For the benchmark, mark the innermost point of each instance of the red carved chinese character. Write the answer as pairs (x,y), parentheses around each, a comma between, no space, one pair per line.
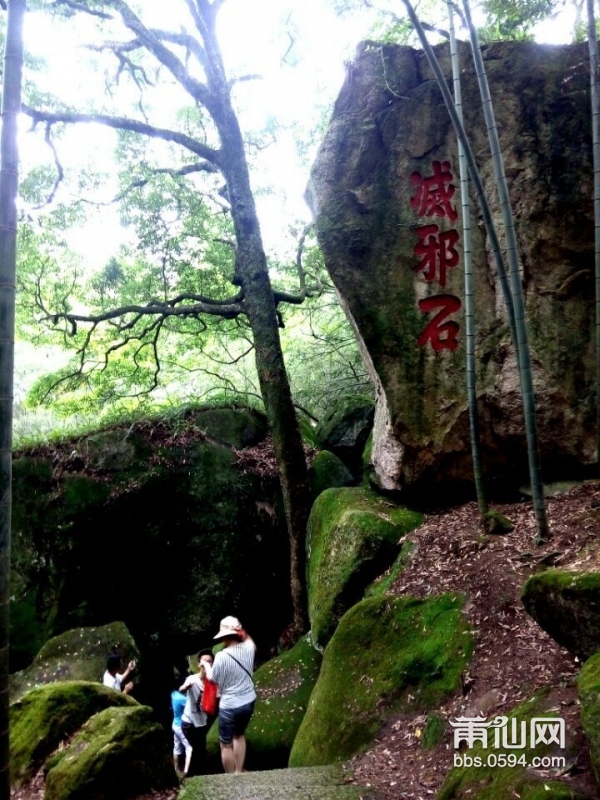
(436,251)
(436,328)
(434,192)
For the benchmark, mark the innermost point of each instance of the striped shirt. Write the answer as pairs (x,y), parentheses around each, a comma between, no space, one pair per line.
(235,684)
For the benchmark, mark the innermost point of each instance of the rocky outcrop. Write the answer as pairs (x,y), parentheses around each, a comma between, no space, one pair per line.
(346,428)
(160,525)
(44,718)
(567,606)
(353,537)
(119,753)
(76,655)
(387,655)
(388,223)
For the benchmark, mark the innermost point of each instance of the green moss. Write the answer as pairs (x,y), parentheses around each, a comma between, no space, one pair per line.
(496,523)
(383,583)
(327,471)
(48,715)
(118,753)
(352,538)
(567,606)
(283,686)
(434,730)
(499,783)
(76,655)
(589,696)
(387,655)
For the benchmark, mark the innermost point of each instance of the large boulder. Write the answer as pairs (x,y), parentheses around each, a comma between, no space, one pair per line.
(346,428)
(119,753)
(283,687)
(353,536)
(567,606)
(46,717)
(386,656)
(76,655)
(327,471)
(381,189)
(184,528)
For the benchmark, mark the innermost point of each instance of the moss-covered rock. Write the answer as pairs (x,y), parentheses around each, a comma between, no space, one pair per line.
(387,655)
(183,500)
(345,430)
(589,697)
(118,753)
(307,783)
(49,715)
(238,427)
(352,538)
(283,687)
(514,779)
(567,606)
(76,655)
(327,471)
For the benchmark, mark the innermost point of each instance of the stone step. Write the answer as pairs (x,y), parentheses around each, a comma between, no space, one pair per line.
(300,783)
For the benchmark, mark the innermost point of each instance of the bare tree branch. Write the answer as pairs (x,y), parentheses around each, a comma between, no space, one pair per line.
(152,41)
(60,174)
(70,4)
(124,123)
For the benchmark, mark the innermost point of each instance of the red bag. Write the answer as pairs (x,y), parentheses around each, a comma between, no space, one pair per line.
(209,702)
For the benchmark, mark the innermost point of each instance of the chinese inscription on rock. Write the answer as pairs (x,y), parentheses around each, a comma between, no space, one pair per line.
(436,252)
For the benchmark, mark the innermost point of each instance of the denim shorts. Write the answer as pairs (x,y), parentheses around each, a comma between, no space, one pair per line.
(234,721)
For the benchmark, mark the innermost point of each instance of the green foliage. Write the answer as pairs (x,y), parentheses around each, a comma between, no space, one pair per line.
(388,655)
(514,19)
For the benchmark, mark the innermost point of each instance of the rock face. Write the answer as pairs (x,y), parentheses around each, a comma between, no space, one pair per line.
(567,606)
(165,528)
(77,655)
(353,536)
(389,225)
(383,650)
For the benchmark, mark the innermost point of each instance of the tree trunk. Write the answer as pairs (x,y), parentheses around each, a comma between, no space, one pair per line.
(253,275)
(9,184)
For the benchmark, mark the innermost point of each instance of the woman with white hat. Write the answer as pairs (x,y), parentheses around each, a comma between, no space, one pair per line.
(232,671)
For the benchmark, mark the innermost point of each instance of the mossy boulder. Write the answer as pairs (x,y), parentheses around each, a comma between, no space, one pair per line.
(118,753)
(47,716)
(386,656)
(589,697)
(76,655)
(283,686)
(327,471)
(352,538)
(567,606)
(346,428)
(514,779)
(187,503)
(238,427)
